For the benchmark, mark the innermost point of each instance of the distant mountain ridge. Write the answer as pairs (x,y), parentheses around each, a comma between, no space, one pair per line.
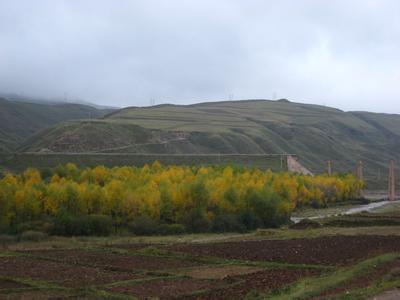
(315,133)
(29,99)
(21,119)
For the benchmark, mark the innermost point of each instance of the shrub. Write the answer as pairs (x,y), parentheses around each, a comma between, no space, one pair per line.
(68,225)
(196,222)
(27,226)
(253,295)
(250,221)
(227,223)
(33,236)
(100,225)
(46,173)
(6,239)
(144,225)
(265,205)
(171,229)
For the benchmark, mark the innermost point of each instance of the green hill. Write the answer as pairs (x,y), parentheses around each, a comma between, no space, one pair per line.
(315,133)
(19,120)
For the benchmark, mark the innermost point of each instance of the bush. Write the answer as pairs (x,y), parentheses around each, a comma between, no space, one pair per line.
(33,236)
(196,222)
(99,225)
(227,223)
(46,173)
(39,225)
(253,295)
(250,221)
(171,229)
(6,239)
(265,205)
(144,225)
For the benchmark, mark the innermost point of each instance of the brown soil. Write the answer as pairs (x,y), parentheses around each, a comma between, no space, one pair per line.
(62,274)
(231,287)
(167,289)
(333,250)
(134,246)
(114,261)
(265,281)
(42,295)
(364,280)
(219,272)
(9,284)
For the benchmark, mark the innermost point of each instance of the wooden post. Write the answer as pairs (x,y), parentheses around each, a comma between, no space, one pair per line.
(360,172)
(392,182)
(329,167)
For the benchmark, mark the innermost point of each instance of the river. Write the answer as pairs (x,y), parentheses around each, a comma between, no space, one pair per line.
(347,211)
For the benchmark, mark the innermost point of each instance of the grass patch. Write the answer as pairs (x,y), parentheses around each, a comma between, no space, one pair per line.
(141,280)
(10,254)
(38,284)
(378,287)
(101,294)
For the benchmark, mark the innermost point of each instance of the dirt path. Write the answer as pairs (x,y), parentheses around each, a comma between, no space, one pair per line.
(388,295)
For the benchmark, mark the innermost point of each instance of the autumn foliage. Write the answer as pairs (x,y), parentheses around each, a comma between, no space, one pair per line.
(161,199)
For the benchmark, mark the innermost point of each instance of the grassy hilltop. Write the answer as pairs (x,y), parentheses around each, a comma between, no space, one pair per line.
(315,133)
(20,119)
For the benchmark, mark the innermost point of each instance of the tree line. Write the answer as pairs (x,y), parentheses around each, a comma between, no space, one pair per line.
(157,199)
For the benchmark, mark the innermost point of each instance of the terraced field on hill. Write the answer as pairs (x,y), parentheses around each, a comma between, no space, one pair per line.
(315,133)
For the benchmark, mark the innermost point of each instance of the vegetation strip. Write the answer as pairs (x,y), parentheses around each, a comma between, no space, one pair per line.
(101,294)
(315,286)
(37,284)
(376,288)
(10,253)
(159,200)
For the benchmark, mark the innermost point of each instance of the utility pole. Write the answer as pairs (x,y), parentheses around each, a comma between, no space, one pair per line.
(329,167)
(360,173)
(392,182)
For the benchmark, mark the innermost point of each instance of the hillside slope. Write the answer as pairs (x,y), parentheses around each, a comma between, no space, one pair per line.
(19,120)
(315,133)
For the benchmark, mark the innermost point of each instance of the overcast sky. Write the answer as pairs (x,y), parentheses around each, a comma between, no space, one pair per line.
(344,54)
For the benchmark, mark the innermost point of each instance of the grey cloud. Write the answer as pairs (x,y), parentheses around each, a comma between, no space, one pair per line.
(339,53)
